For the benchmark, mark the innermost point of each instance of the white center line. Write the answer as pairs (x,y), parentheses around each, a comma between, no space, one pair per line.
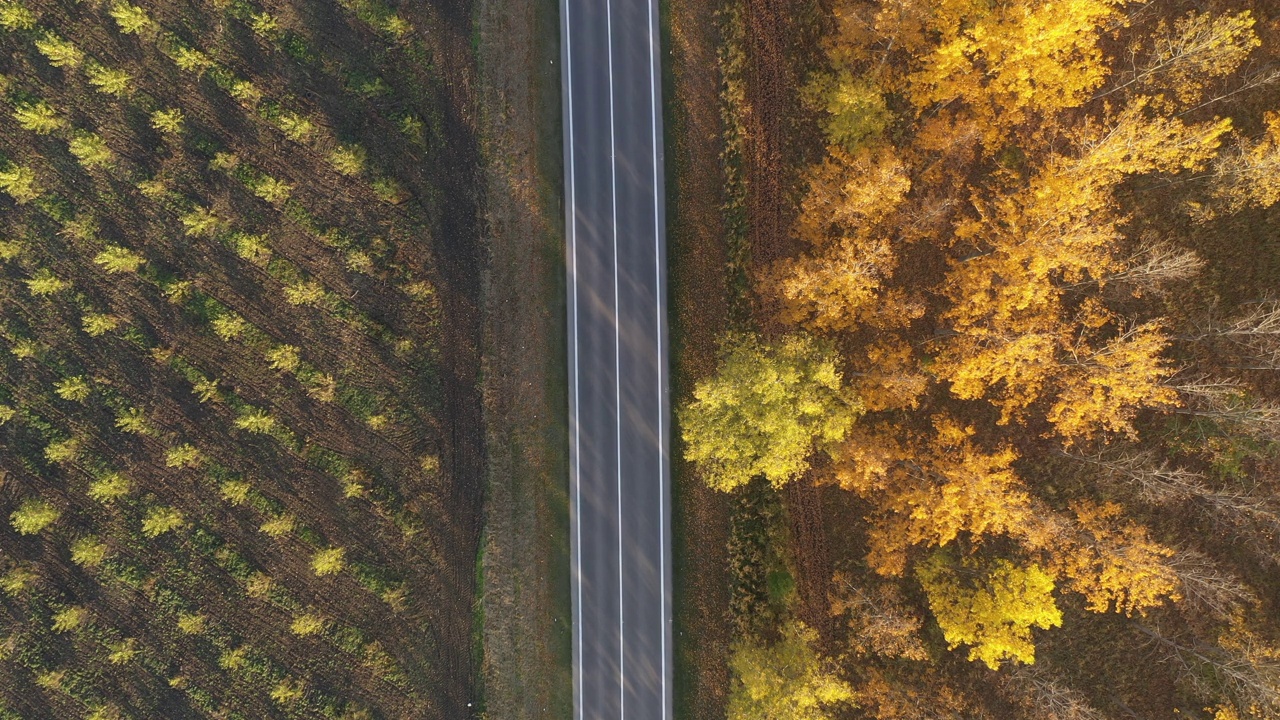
(617,369)
(573,250)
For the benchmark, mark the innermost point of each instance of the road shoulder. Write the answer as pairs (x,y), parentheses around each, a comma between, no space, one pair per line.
(523,612)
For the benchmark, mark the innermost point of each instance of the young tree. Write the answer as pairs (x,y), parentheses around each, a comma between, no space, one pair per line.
(33,515)
(765,411)
(994,613)
(786,679)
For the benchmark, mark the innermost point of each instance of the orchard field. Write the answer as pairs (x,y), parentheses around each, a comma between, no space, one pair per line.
(240,441)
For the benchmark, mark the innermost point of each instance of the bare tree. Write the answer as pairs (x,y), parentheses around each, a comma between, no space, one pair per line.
(1046,698)
(1156,264)
(1154,479)
(1207,590)
(1231,403)
(1239,668)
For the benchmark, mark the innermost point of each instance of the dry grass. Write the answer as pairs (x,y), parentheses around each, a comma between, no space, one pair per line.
(699,296)
(525,641)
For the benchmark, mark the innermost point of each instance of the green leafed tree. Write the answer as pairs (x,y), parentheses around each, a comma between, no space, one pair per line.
(20,183)
(59,52)
(991,606)
(787,679)
(90,150)
(160,520)
(116,259)
(33,515)
(131,18)
(766,410)
(38,117)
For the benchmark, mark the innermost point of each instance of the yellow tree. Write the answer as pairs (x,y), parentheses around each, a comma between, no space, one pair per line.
(928,488)
(785,679)
(765,411)
(1113,563)
(991,606)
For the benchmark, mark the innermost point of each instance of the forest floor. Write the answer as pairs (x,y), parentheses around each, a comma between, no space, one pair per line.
(525,614)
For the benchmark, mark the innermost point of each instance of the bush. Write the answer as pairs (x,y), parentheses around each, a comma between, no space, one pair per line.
(33,515)
(328,562)
(160,520)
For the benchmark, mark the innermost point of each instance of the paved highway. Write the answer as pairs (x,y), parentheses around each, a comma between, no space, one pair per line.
(618,401)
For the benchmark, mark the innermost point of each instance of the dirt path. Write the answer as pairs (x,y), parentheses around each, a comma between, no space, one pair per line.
(525,634)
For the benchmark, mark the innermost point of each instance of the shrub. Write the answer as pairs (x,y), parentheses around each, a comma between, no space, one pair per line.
(160,520)
(38,117)
(33,515)
(329,561)
(75,389)
(109,488)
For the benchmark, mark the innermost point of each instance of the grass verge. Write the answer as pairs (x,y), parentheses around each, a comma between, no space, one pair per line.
(523,610)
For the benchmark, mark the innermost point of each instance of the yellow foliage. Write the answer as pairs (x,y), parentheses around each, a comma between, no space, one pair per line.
(993,613)
(786,679)
(765,411)
(1113,563)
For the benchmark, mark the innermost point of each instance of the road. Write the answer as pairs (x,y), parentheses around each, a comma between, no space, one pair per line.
(618,399)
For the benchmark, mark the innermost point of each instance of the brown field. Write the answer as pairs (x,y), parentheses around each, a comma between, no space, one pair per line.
(235,347)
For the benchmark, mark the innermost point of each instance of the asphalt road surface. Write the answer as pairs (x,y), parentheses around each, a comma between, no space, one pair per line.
(618,404)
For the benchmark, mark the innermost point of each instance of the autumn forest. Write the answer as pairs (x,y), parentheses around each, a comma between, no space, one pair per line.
(998,400)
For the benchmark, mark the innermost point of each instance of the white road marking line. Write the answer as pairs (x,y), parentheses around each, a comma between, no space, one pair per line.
(657,291)
(617,367)
(577,433)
